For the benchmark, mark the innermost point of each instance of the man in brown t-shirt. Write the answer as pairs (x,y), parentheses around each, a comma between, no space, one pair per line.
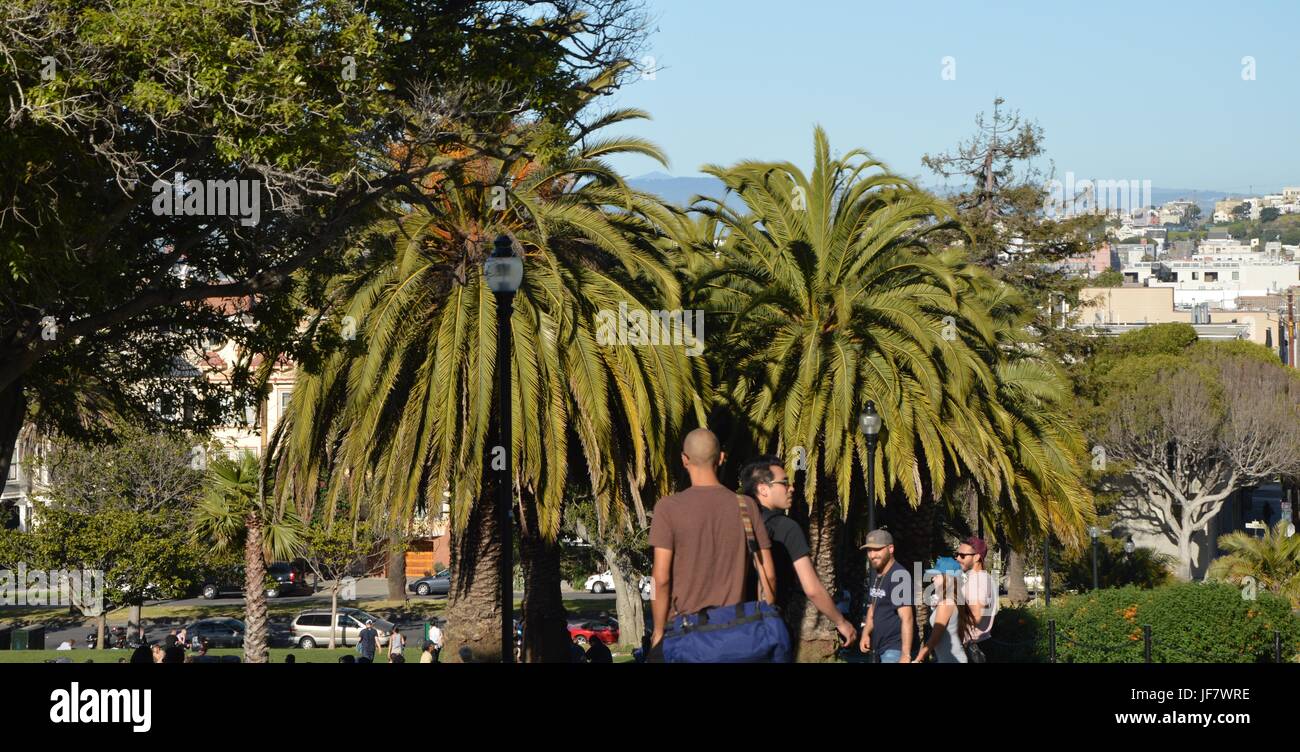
(700,556)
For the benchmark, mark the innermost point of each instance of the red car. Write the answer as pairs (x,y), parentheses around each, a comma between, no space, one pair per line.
(583,632)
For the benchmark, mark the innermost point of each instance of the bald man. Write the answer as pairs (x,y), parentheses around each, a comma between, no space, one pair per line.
(700,556)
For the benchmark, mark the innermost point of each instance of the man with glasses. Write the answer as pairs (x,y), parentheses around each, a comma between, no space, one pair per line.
(765,480)
(891,620)
(980,595)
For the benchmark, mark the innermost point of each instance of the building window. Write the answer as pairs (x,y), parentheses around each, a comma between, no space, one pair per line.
(1211,276)
(284,401)
(13,467)
(1195,275)
(1236,276)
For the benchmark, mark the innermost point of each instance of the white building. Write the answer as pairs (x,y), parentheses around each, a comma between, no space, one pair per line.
(1218,282)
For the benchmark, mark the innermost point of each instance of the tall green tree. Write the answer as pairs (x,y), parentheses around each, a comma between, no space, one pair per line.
(407,414)
(833,294)
(102,290)
(236,514)
(1002,199)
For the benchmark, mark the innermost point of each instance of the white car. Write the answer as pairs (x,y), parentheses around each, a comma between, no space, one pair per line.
(600,583)
(604,583)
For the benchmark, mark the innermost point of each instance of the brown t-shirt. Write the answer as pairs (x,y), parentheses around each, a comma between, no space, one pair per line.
(702,527)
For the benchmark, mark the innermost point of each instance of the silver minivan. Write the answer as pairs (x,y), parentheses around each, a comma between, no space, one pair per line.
(310,629)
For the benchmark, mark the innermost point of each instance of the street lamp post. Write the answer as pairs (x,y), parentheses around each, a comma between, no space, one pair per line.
(504,271)
(1047,570)
(1095,533)
(869,423)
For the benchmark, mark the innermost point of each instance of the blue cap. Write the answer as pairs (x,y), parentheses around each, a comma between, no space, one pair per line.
(944,565)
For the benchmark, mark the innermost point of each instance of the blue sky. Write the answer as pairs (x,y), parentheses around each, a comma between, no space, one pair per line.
(1123,90)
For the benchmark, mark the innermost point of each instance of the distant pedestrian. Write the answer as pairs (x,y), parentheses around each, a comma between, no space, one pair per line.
(435,637)
(67,645)
(705,539)
(157,652)
(598,651)
(945,614)
(426,655)
(142,654)
(576,653)
(396,643)
(290,658)
(347,659)
(366,641)
(890,624)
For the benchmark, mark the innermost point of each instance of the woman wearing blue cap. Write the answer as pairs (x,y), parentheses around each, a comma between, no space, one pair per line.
(944,642)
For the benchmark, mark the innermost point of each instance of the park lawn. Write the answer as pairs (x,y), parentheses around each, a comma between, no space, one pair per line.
(319,655)
(415,608)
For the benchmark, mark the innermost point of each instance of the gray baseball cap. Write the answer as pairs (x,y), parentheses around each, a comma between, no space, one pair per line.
(878,539)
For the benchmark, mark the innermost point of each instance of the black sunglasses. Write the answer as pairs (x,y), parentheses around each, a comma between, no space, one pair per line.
(784,482)
(961,555)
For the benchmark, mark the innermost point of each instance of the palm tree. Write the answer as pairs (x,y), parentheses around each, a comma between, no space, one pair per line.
(405,417)
(1273,561)
(832,295)
(236,514)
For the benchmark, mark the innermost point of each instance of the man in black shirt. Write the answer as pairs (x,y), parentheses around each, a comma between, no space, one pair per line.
(889,627)
(765,480)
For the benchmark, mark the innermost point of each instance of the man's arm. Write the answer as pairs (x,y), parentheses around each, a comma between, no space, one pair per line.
(908,618)
(974,592)
(812,587)
(661,574)
(865,644)
(769,569)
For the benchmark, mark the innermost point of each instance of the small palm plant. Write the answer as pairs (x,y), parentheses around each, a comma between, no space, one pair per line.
(1271,562)
(235,514)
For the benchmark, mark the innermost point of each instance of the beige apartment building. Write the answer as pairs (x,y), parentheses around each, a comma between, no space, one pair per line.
(1115,310)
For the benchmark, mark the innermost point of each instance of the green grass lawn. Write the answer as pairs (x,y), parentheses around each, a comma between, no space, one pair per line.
(58,618)
(319,655)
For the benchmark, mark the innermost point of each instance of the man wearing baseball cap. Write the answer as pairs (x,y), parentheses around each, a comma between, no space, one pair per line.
(890,623)
(980,594)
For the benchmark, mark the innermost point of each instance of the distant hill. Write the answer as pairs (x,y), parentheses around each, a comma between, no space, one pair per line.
(680,190)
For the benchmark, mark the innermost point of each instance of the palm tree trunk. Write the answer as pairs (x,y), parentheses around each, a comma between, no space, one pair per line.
(254,593)
(546,632)
(913,529)
(396,568)
(473,605)
(627,600)
(1017,590)
(815,638)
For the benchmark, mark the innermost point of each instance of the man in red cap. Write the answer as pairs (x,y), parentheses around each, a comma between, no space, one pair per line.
(980,594)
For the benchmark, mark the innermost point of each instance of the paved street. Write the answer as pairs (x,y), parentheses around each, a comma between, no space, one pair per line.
(233,606)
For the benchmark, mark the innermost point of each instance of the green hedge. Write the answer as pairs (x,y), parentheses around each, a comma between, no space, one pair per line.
(1190,623)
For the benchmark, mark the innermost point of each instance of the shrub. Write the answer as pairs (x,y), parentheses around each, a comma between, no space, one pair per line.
(1190,622)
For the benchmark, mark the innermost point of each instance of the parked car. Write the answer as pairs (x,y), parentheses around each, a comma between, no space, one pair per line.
(604,583)
(311,628)
(600,583)
(437,584)
(604,630)
(217,633)
(290,579)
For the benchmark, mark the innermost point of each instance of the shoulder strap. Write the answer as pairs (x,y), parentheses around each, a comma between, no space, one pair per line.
(751,543)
